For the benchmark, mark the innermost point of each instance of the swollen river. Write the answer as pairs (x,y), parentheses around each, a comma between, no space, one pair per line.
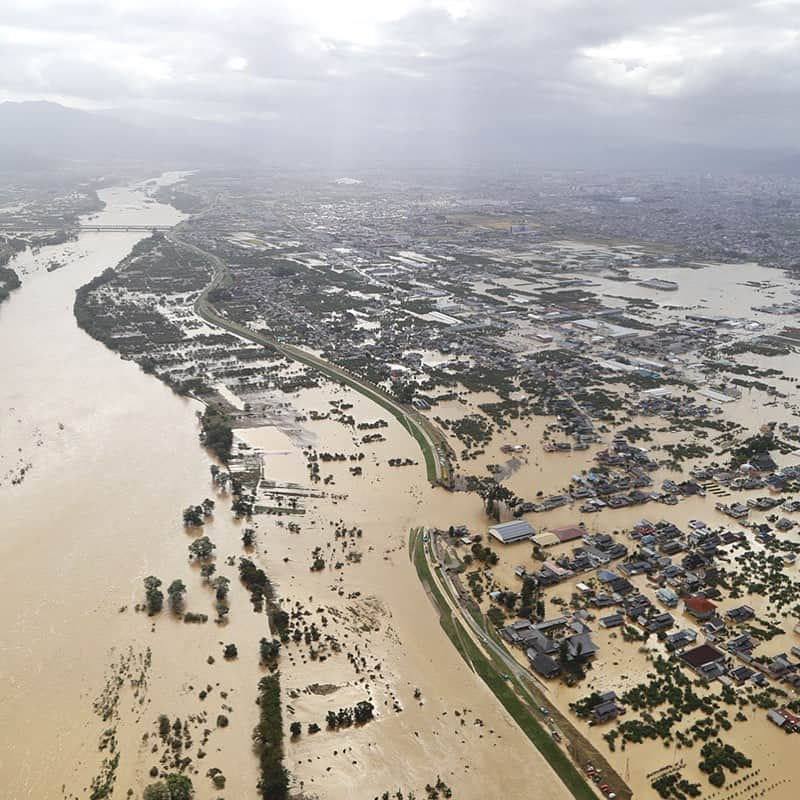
(97,461)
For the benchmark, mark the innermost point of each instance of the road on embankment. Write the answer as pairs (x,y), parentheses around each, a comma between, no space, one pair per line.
(515,687)
(430,440)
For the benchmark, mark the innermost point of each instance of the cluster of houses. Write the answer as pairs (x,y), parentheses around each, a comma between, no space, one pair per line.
(573,421)
(680,568)
(660,403)
(595,550)
(550,643)
(623,481)
(737,511)
(741,512)
(760,472)
(731,660)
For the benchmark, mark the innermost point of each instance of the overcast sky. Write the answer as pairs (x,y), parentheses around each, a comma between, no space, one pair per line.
(462,72)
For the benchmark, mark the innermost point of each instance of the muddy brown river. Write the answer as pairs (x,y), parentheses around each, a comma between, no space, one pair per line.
(96,462)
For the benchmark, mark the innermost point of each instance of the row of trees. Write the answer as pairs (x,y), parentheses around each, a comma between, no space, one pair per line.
(217,434)
(269,650)
(176,594)
(484,554)
(256,581)
(718,756)
(494,496)
(194,516)
(268,740)
(154,597)
(529,598)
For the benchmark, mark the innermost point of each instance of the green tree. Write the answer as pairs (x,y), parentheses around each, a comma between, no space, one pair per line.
(496,616)
(363,712)
(269,650)
(180,787)
(202,549)
(175,593)
(528,596)
(230,651)
(157,791)
(153,595)
(268,740)
(193,516)
(221,586)
(173,787)
(217,434)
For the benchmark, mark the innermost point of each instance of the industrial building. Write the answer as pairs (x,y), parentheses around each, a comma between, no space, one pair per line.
(509,532)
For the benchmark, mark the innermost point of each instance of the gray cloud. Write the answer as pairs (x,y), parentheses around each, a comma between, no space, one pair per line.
(450,75)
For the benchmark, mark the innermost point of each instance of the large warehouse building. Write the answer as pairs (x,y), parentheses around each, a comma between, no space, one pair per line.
(514,531)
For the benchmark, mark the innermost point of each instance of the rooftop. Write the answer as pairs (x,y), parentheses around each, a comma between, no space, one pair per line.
(702,655)
(700,605)
(513,531)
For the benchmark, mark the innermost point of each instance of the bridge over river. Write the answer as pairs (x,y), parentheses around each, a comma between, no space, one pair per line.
(37,228)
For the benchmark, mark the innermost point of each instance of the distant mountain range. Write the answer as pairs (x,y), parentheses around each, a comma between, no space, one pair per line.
(36,136)
(39,135)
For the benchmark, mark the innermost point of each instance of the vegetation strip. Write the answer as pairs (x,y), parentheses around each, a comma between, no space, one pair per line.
(268,740)
(445,614)
(9,280)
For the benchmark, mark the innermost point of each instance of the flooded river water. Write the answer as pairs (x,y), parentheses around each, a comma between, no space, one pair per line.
(96,462)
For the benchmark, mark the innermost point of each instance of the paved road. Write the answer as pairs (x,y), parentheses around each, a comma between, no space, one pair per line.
(451,592)
(525,678)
